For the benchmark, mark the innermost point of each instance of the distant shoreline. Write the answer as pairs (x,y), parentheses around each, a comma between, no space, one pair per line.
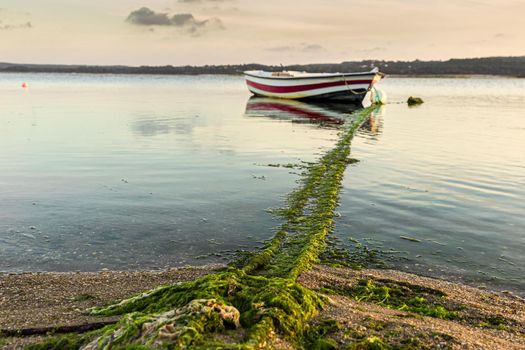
(489,66)
(402,76)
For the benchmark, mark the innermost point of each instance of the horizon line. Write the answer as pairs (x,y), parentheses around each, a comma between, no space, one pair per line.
(254,63)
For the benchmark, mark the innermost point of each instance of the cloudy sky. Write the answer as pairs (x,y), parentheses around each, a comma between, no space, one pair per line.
(178,32)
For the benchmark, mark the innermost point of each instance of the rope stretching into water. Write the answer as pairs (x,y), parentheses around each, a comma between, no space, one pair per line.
(354,91)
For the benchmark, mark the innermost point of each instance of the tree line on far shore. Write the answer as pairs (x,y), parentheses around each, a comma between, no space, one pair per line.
(505,66)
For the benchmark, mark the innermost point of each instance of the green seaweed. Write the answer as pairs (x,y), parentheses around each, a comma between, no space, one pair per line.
(262,297)
(421,300)
(72,341)
(288,166)
(392,336)
(405,343)
(357,256)
(264,304)
(399,296)
(370,343)
(498,322)
(309,213)
(414,101)
(316,336)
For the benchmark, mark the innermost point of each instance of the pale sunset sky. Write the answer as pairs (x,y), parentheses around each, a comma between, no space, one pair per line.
(197,32)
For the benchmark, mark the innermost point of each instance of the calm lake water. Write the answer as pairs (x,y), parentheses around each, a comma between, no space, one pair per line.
(143,172)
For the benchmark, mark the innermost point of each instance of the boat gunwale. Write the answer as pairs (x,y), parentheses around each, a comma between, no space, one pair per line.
(331,75)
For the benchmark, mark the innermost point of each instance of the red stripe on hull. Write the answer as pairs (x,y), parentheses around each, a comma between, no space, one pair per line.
(300,88)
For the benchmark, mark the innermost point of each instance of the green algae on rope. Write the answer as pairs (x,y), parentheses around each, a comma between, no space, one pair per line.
(310,211)
(263,297)
(264,306)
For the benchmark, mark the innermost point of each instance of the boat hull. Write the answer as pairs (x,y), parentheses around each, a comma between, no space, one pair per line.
(348,88)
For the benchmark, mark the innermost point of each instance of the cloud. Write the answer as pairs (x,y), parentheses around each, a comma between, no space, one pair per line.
(26,25)
(146,17)
(186,21)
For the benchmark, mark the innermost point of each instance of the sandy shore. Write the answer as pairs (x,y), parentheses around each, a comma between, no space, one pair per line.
(476,304)
(33,300)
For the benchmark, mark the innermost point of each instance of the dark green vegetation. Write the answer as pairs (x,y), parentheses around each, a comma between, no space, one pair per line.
(414,101)
(261,300)
(289,166)
(373,335)
(66,342)
(508,66)
(190,314)
(388,336)
(357,256)
(309,216)
(399,296)
(421,300)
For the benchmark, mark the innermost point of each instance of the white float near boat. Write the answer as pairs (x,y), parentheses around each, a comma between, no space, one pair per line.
(342,87)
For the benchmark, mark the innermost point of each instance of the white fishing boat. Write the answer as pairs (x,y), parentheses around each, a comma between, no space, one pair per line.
(342,87)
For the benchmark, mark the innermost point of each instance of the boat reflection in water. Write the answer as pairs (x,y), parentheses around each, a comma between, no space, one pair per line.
(326,114)
(299,112)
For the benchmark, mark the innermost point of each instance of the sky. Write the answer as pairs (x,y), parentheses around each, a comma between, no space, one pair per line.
(198,32)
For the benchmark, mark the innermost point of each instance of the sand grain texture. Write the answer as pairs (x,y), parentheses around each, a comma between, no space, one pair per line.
(33,300)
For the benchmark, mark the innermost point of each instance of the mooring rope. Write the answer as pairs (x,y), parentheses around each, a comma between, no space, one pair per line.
(354,91)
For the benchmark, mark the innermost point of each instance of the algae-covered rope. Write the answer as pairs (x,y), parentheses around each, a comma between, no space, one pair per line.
(263,298)
(299,240)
